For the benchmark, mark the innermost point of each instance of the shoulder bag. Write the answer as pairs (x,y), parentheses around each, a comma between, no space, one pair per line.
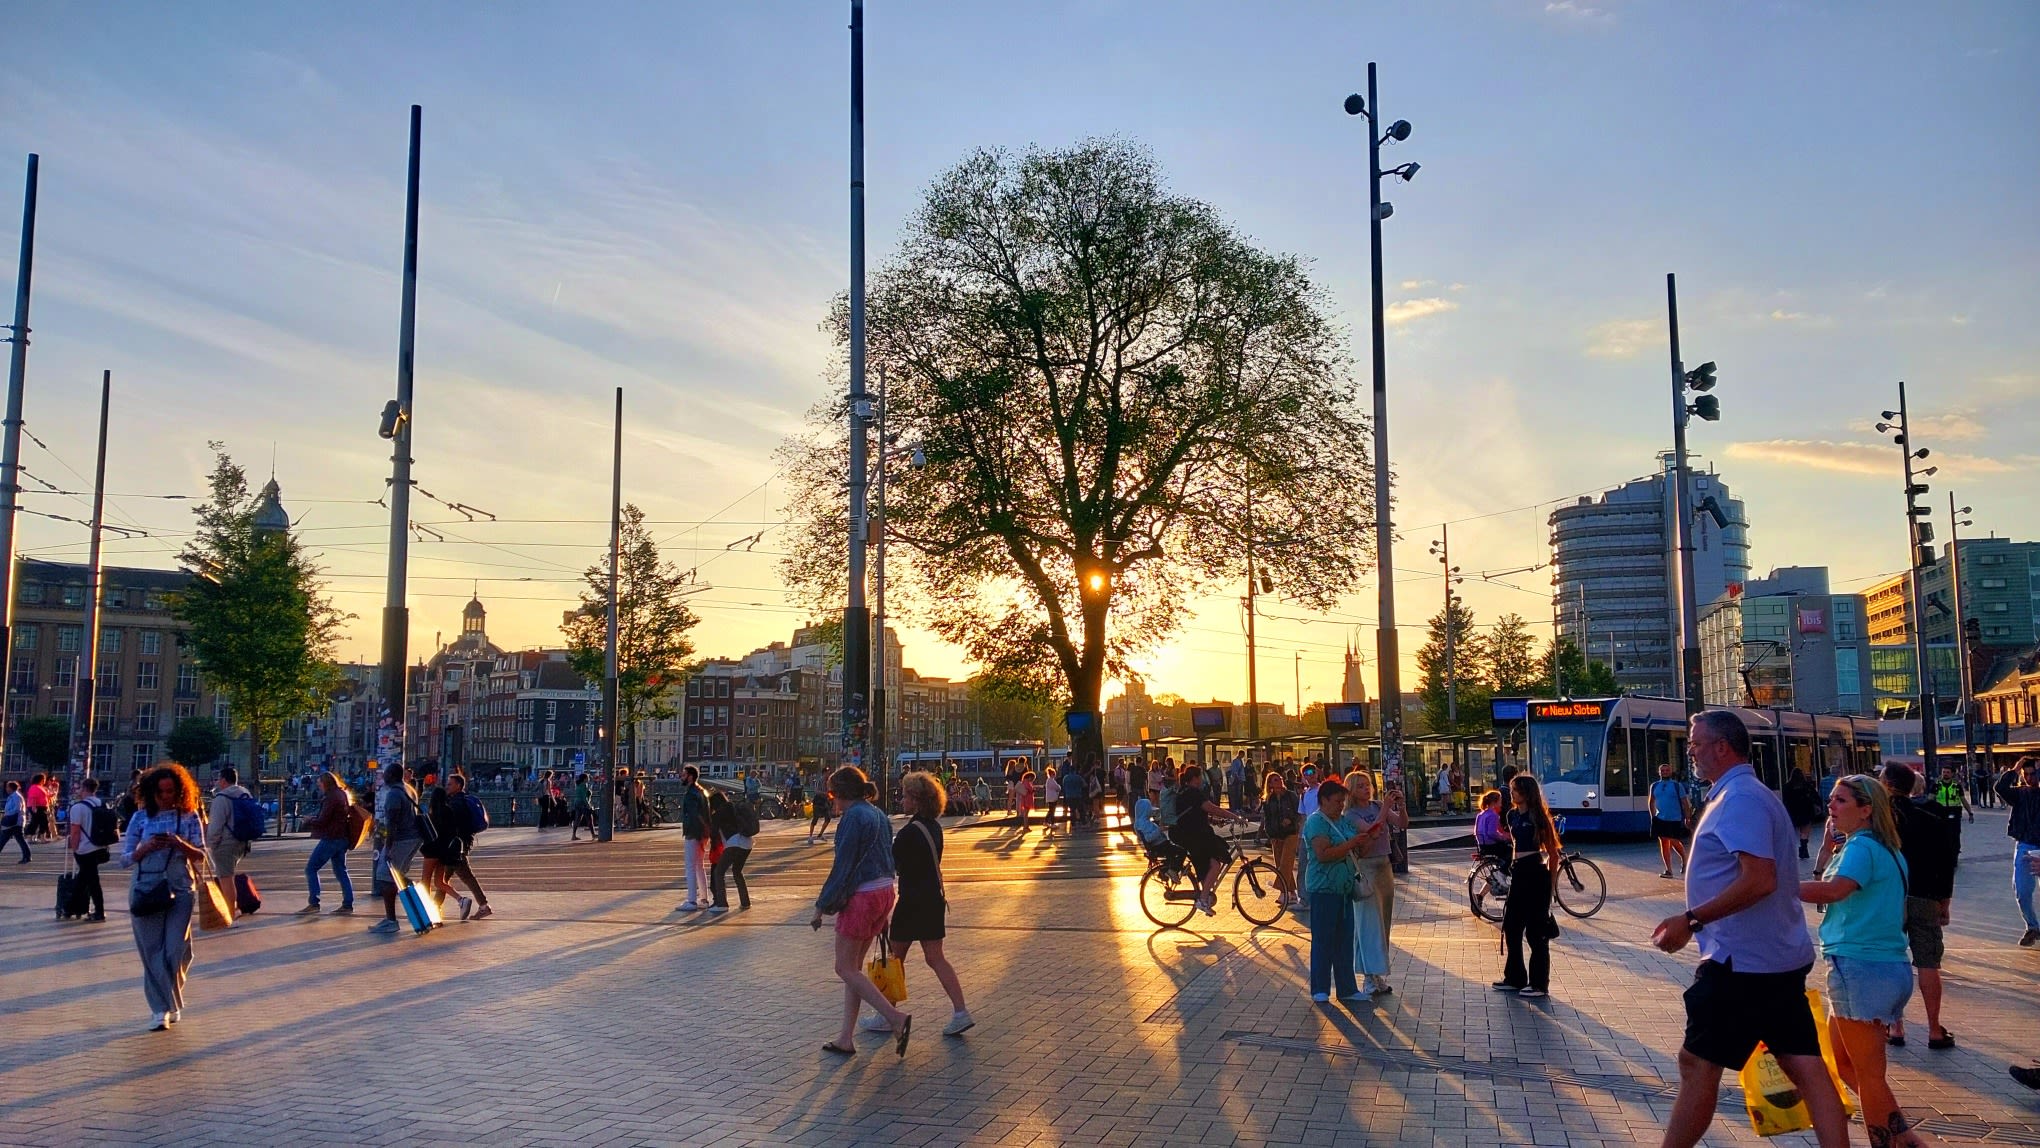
(937,855)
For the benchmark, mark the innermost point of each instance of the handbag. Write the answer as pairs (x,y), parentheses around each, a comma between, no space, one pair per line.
(1363,880)
(212,905)
(888,972)
(151,900)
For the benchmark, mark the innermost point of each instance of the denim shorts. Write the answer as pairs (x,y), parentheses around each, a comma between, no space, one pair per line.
(1868,990)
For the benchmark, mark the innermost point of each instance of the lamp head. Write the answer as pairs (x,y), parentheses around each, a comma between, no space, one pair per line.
(1888,415)
(1387,209)
(1921,453)
(1356,105)
(1882,427)
(918,459)
(1408,171)
(1399,130)
(1930,472)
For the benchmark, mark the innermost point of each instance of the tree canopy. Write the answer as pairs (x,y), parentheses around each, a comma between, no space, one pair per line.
(196,742)
(652,620)
(1116,395)
(262,629)
(46,740)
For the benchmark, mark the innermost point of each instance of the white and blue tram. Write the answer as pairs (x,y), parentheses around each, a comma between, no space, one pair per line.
(1596,757)
(990,764)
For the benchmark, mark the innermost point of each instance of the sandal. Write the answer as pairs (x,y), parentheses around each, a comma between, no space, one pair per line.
(838,1049)
(1942,1042)
(900,1042)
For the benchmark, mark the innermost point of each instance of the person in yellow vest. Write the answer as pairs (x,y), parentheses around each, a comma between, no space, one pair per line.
(1951,803)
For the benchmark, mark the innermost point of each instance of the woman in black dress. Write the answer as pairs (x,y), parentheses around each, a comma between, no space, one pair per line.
(919,913)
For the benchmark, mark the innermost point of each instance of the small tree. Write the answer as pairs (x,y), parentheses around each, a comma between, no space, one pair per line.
(46,740)
(262,630)
(1513,666)
(1467,685)
(652,620)
(1582,679)
(196,742)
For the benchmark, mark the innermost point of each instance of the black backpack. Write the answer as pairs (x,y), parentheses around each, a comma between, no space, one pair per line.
(747,820)
(104,829)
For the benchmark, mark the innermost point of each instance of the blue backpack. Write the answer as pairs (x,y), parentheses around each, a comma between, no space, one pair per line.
(249,819)
(477,814)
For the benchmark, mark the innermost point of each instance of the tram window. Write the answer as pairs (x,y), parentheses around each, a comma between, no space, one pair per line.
(1661,752)
(1799,754)
(1764,759)
(1618,782)
(1836,754)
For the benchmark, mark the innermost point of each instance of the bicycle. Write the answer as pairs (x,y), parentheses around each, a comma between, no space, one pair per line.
(1581,889)
(1169,894)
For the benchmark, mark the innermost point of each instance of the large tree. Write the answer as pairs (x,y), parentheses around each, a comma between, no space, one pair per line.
(46,740)
(196,742)
(652,620)
(261,627)
(1513,666)
(1116,394)
(1468,681)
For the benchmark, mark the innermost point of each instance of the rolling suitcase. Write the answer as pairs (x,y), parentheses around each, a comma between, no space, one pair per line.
(246,899)
(419,908)
(67,890)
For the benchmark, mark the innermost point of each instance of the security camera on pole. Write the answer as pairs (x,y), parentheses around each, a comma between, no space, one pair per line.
(1388,672)
(1699,380)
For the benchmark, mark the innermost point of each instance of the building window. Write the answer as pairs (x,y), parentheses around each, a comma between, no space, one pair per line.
(722,688)
(60,707)
(152,642)
(22,678)
(146,676)
(24,637)
(70,639)
(116,597)
(185,710)
(104,712)
(220,713)
(552,733)
(187,678)
(102,759)
(144,756)
(66,675)
(152,599)
(109,679)
(145,717)
(552,712)
(31,592)
(1845,630)
(73,595)
(109,641)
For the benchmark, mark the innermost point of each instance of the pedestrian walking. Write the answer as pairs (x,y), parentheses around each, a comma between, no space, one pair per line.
(1236,782)
(1929,894)
(1742,905)
(1526,916)
(824,813)
(738,825)
(2019,789)
(36,803)
(921,914)
(697,831)
(1023,796)
(1802,805)
(456,818)
(13,821)
(332,828)
(93,829)
(1013,774)
(397,836)
(1670,812)
(859,894)
(1374,880)
(1284,827)
(164,838)
(1328,880)
(584,808)
(1051,798)
(1951,802)
(1862,939)
(223,843)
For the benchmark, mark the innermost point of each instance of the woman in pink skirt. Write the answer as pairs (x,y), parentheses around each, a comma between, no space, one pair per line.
(859,893)
(1026,797)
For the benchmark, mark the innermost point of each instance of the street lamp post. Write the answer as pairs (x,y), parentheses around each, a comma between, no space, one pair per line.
(1957,520)
(1898,424)
(396,427)
(1388,671)
(10,439)
(1700,379)
(856,615)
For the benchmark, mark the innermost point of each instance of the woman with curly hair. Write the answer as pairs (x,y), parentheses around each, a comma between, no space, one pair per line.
(162,840)
(859,894)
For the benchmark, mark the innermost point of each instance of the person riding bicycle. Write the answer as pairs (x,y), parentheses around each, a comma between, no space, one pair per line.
(1208,851)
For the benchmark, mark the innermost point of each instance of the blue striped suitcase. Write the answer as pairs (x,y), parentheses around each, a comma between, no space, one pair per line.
(419,909)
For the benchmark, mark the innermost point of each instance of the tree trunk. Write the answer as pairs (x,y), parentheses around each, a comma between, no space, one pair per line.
(1087,747)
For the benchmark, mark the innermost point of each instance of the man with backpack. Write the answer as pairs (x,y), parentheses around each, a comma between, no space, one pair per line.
(234,821)
(93,829)
(738,824)
(694,826)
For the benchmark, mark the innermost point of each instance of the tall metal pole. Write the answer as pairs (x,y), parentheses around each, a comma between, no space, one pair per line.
(1930,731)
(88,658)
(856,616)
(396,615)
(1961,642)
(10,450)
(881,748)
(1451,639)
(1388,668)
(1253,679)
(1682,515)
(612,717)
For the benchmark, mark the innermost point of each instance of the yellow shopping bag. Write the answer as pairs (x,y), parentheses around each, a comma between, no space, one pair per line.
(889,973)
(1770,1096)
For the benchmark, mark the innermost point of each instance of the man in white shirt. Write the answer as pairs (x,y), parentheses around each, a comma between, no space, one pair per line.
(86,894)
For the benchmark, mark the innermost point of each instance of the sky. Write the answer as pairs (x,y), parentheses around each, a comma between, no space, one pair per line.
(653,196)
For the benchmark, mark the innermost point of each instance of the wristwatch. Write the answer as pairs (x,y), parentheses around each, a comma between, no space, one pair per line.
(1693,923)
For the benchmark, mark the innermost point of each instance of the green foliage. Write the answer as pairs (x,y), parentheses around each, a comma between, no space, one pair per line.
(46,740)
(196,742)
(1015,710)
(1514,668)
(1471,673)
(1105,379)
(262,631)
(652,620)
(1579,677)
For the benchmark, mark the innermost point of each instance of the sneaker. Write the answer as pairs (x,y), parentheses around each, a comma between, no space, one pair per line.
(718,908)
(383,926)
(1532,993)
(1667,874)
(1321,998)
(311,910)
(689,907)
(874,1023)
(176,1014)
(2030,1077)
(484,913)
(1209,905)
(1382,988)
(1505,987)
(467,907)
(2032,935)
(344,911)
(960,1022)
(1362,995)
(160,1021)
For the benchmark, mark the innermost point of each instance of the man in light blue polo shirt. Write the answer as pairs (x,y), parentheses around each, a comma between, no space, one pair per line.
(1742,898)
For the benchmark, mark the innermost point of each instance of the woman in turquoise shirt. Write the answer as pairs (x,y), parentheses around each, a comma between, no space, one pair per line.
(1329,844)
(1862,936)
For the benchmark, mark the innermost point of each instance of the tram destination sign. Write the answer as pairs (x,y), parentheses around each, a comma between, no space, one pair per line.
(1548,711)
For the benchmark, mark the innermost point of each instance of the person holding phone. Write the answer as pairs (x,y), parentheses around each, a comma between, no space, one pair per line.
(162,841)
(1373,916)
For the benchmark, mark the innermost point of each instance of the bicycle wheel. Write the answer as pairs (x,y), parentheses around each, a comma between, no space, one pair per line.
(1482,895)
(1254,893)
(1164,910)
(1581,888)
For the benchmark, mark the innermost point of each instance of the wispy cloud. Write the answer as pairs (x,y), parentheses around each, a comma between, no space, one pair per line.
(1411,310)
(1622,338)
(1859,458)
(1418,284)
(1572,9)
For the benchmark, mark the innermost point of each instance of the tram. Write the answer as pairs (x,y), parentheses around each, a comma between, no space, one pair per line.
(990,764)
(1596,757)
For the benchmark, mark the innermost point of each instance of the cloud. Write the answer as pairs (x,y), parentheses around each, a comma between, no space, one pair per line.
(1961,426)
(1574,10)
(1622,338)
(1418,284)
(1859,458)
(1410,310)
(1782,316)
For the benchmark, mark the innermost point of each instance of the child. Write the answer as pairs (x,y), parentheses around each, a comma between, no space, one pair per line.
(1487,830)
